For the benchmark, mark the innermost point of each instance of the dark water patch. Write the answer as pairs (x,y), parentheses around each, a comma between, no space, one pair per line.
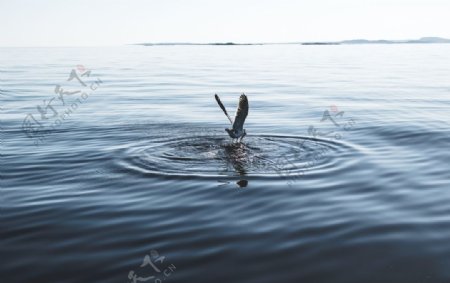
(182,152)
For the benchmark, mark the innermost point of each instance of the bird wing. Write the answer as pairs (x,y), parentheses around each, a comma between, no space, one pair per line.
(241,113)
(222,107)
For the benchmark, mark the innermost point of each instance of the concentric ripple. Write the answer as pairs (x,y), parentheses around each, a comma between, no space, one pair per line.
(212,154)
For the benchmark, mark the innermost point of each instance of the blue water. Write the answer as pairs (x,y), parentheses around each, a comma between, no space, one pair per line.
(343,176)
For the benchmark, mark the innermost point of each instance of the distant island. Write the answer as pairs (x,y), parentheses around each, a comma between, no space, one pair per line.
(407,41)
(423,40)
(191,43)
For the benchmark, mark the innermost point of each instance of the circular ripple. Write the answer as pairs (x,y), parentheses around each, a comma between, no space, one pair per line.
(214,155)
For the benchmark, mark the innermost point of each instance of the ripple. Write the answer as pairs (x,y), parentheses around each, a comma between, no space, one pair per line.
(214,155)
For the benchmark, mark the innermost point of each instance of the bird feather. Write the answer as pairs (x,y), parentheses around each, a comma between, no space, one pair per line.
(241,113)
(223,107)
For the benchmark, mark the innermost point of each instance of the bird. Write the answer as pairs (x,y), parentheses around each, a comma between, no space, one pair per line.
(237,131)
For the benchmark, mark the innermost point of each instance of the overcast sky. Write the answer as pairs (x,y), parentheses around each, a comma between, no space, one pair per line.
(109,22)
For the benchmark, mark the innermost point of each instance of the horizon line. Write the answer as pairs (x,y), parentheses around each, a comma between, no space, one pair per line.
(421,40)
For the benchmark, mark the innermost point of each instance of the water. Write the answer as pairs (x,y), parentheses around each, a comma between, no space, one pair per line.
(142,165)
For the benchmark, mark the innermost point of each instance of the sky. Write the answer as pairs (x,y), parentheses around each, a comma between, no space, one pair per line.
(110,22)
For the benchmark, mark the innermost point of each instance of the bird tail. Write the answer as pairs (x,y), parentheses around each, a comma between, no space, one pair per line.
(223,107)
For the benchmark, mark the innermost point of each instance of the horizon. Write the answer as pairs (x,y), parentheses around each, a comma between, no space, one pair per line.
(343,42)
(49,23)
(293,42)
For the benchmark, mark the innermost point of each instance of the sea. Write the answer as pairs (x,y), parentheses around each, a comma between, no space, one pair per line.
(116,166)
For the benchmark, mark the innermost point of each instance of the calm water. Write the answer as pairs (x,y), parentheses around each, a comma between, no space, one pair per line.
(343,177)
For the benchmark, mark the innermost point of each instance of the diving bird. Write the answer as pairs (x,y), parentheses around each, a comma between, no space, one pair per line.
(237,131)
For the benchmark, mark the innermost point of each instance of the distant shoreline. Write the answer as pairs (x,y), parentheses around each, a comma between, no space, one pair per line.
(423,40)
(191,43)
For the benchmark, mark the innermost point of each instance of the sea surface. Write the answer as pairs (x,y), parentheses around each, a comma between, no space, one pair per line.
(115,165)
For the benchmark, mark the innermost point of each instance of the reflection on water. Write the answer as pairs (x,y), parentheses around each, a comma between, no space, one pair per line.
(235,154)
